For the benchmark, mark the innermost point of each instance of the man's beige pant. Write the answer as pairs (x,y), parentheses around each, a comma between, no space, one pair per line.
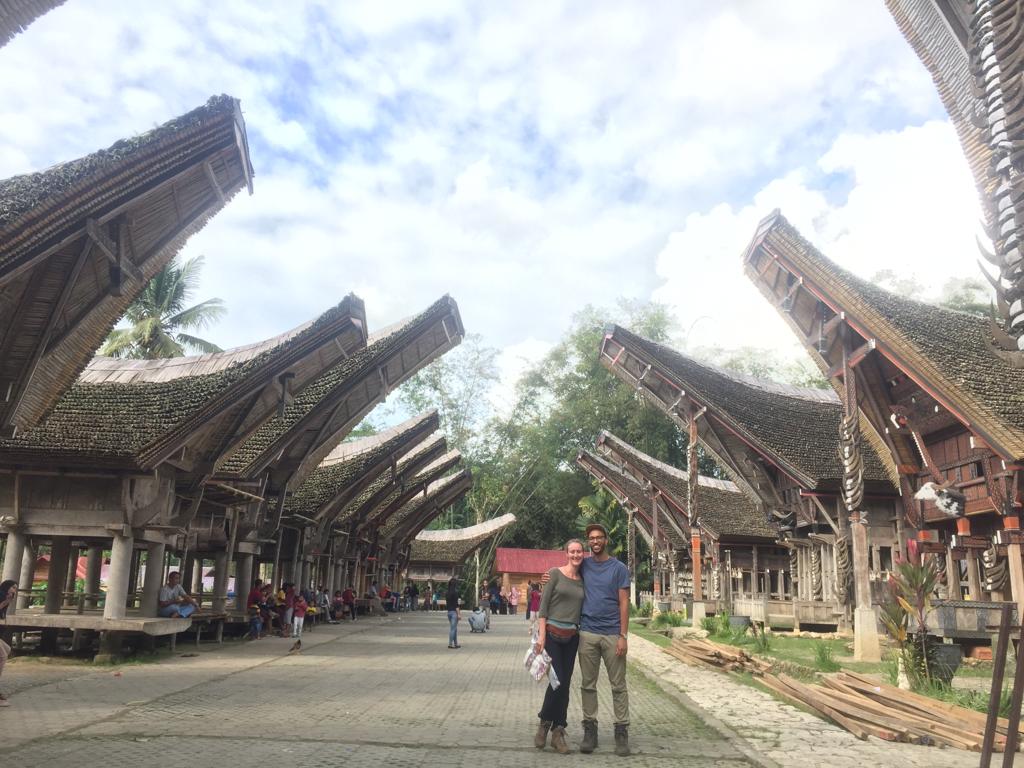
(594,648)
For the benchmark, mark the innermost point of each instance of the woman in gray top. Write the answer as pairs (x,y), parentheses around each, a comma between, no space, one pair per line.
(558,634)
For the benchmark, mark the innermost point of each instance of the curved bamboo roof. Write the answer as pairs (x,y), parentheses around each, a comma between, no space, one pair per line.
(79,242)
(722,509)
(795,428)
(115,418)
(16,15)
(945,351)
(355,466)
(451,546)
(296,441)
(673,529)
(401,527)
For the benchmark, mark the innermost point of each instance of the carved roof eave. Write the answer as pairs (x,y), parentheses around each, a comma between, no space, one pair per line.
(56,243)
(669,392)
(779,241)
(393,503)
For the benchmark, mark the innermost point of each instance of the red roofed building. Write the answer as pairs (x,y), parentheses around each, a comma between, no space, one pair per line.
(523,566)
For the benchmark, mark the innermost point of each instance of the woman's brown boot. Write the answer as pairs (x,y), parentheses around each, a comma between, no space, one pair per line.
(540,739)
(558,740)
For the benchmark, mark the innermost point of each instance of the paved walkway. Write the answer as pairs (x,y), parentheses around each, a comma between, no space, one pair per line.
(388,692)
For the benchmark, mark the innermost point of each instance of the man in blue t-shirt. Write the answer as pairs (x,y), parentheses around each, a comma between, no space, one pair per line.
(603,624)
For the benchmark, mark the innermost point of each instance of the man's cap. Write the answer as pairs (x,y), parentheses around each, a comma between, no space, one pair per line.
(596,527)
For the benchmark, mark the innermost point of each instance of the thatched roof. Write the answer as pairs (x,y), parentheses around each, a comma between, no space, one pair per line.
(451,546)
(79,242)
(795,428)
(722,509)
(672,528)
(947,351)
(386,497)
(16,15)
(135,416)
(354,466)
(294,443)
(402,526)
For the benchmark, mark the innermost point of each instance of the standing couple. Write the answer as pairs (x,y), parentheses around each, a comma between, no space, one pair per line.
(585,610)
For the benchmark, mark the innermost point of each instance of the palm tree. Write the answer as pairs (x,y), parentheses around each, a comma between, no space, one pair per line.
(158,318)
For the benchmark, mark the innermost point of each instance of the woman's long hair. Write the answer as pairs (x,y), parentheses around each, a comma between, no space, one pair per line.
(5,587)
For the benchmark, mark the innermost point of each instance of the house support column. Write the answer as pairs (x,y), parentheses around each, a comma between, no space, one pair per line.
(117,581)
(197,577)
(155,553)
(243,580)
(60,550)
(865,626)
(974,591)
(93,569)
(28,572)
(13,556)
(952,576)
(1013,556)
(220,581)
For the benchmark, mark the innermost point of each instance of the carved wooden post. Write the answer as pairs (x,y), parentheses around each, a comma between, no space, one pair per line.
(655,560)
(865,630)
(631,552)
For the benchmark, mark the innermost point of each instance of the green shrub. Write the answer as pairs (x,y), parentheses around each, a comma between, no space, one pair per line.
(668,619)
(762,638)
(645,610)
(709,624)
(722,626)
(823,657)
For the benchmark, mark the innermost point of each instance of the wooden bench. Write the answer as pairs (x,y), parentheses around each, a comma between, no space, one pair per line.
(204,620)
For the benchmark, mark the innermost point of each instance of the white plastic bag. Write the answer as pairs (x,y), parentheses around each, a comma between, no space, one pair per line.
(539,664)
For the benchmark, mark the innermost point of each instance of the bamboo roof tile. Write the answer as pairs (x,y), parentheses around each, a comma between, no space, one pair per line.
(418,513)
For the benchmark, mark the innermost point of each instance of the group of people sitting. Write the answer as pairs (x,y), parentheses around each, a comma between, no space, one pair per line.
(288,607)
(393,601)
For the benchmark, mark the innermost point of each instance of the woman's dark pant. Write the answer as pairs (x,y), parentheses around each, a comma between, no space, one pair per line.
(563,658)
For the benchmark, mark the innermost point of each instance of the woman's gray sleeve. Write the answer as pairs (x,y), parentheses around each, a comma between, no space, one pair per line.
(545,596)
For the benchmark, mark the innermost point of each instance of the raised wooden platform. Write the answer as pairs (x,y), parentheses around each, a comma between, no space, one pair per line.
(27,620)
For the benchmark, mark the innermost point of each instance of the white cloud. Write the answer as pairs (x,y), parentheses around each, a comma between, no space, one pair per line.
(526,158)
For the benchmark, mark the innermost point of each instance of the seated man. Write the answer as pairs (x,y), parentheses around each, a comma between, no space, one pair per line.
(175,602)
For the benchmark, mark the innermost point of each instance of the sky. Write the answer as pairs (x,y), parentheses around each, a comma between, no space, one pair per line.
(527,158)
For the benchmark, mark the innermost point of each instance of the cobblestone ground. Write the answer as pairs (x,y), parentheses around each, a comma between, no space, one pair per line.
(779,733)
(378,692)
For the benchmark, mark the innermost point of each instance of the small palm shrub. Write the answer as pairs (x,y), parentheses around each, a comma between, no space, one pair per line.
(668,619)
(823,657)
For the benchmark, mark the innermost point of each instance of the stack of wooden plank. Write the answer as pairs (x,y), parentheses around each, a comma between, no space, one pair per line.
(865,708)
(723,657)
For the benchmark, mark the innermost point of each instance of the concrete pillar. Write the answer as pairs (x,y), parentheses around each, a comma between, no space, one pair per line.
(72,577)
(28,571)
(243,579)
(133,575)
(13,555)
(865,626)
(220,581)
(60,550)
(187,567)
(155,552)
(93,568)
(117,580)
(307,570)
(296,572)
(197,577)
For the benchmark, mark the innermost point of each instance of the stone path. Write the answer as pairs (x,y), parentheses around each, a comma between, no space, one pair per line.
(378,692)
(388,692)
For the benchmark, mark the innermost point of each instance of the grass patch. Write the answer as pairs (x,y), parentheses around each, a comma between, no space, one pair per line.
(655,637)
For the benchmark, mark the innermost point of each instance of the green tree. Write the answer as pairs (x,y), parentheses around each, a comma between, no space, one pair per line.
(159,320)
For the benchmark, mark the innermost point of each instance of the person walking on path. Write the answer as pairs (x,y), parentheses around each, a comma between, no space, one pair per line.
(513,599)
(534,602)
(558,634)
(604,620)
(8,594)
(454,614)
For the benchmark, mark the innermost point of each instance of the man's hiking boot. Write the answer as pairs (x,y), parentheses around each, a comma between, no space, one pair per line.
(589,743)
(621,740)
(540,739)
(558,740)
